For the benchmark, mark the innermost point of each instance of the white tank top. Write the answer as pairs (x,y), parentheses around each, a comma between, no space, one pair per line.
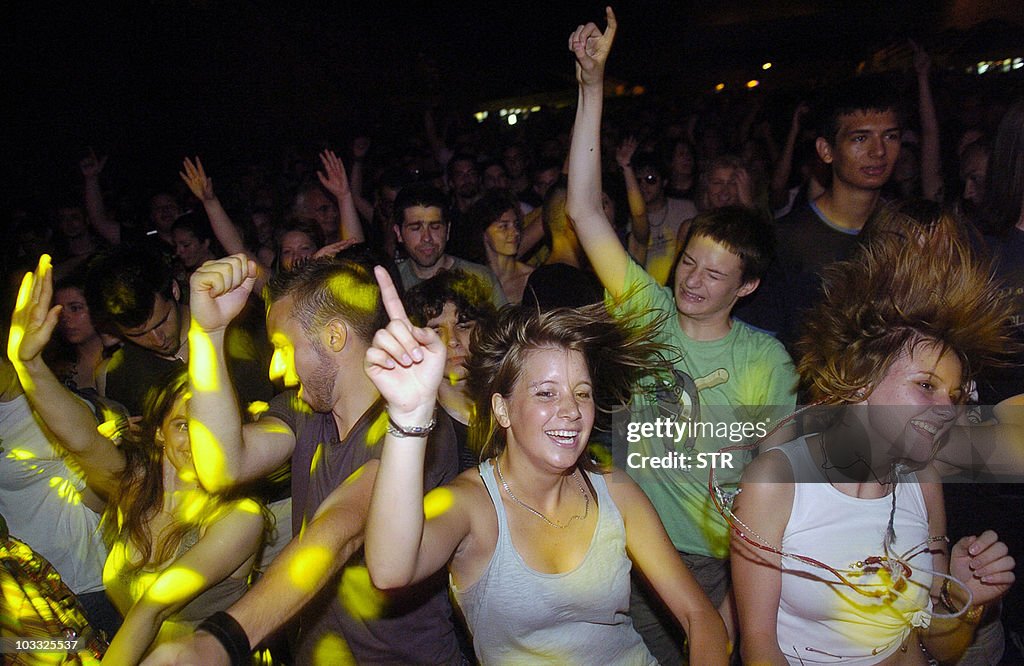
(823,621)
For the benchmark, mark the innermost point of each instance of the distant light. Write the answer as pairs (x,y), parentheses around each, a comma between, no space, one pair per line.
(620,90)
(720,87)
(512,120)
(480,116)
(767,65)
(503,113)
(638,90)
(1018,63)
(983,67)
(535,109)
(753,83)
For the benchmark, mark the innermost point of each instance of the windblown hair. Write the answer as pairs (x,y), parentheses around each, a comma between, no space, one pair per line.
(470,295)
(326,289)
(919,285)
(618,352)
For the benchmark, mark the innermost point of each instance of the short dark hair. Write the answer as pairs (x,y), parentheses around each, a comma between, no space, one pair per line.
(419,194)
(871,93)
(122,285)
(331,288)
(743,231)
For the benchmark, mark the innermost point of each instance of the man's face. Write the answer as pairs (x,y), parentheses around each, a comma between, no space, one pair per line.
(71,222)
(316,205)
(299,361)
(543,181)
(424,234)
(163,211)
(973,173)
(515,161)
(652,186)
(495,178)
(161,333)
(866,148)
(709,280)
(465,179)
(723,188)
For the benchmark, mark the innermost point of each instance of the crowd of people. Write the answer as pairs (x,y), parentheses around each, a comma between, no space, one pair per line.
(264,420)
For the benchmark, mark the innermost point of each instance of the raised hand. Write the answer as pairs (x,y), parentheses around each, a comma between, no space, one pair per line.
(333,176)
(624,153)
(982,563)
(744,188)
(195,177)
(801,110)
(360,146)
(922,61)
(92,166)
(33,320)
(332,249)
(591,48)
(219,290)
(405,362)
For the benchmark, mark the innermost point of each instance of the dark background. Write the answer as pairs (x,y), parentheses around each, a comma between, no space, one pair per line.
(150,81)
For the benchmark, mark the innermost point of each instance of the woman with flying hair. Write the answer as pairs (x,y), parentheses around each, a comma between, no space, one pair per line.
(539,538)
(839,552)
(177,553)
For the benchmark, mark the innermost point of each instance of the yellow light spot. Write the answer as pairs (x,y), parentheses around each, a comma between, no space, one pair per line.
(20,454)
(192,506)
(282,363)
(109,428)
(332,649)
(753,83)
(359,596)
(318,455)
(207,454)
(249,506)
(175,584)
(377,430)
(719,87)
(202,369)
(354,476)
(359,294)
(66,490)
(257,407)
(766,66)
(308,567)
(639,90)
(620,90)
(437,501)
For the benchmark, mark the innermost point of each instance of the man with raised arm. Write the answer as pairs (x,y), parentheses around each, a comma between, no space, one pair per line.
(726,373)
(321,320)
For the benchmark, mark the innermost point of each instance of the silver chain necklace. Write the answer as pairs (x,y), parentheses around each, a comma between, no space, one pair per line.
(579,482)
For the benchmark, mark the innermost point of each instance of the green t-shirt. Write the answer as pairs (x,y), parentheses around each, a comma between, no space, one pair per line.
(723,393)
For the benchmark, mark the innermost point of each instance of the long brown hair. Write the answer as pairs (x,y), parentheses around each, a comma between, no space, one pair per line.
(618,352)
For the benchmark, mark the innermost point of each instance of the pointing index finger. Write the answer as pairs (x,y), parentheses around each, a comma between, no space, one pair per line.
(389,294)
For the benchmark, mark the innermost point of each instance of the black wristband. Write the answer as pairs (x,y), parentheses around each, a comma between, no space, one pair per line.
(230,634)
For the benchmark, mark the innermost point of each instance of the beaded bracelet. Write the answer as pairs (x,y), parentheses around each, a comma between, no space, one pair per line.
(412,431)
(970,614)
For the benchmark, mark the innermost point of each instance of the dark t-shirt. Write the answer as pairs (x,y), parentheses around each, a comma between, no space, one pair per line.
(997,384)
(414,625)
(561,285)
(806,242)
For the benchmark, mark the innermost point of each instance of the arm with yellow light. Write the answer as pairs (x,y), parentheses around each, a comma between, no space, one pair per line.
(296,575)
(406,364)
(226,548)
(583,200)
(224,453)
(68,418)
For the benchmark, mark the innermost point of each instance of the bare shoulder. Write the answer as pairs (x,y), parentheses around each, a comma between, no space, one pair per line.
(772,466)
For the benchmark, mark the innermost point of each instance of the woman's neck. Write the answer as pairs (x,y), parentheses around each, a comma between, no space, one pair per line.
(456,401)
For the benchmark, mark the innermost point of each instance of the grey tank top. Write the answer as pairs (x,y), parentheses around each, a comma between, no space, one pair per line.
(518,615)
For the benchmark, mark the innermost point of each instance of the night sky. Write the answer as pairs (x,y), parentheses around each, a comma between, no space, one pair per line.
(155,80)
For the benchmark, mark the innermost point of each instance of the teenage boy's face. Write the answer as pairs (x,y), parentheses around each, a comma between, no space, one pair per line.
(709,280)
(866,148)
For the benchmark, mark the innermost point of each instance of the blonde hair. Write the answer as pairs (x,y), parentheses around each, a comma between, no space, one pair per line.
(911,283)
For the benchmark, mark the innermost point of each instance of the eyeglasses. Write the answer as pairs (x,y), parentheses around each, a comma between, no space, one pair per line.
(651,178)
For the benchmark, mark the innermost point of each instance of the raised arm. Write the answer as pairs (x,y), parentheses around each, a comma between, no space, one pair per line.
(640,231)
(652,552)
(360,147)
(67,417)
(406,364)
(225,454)
(583,202)
(227,547)
(334,178)
(784,166)
(91,167)
(931,162)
